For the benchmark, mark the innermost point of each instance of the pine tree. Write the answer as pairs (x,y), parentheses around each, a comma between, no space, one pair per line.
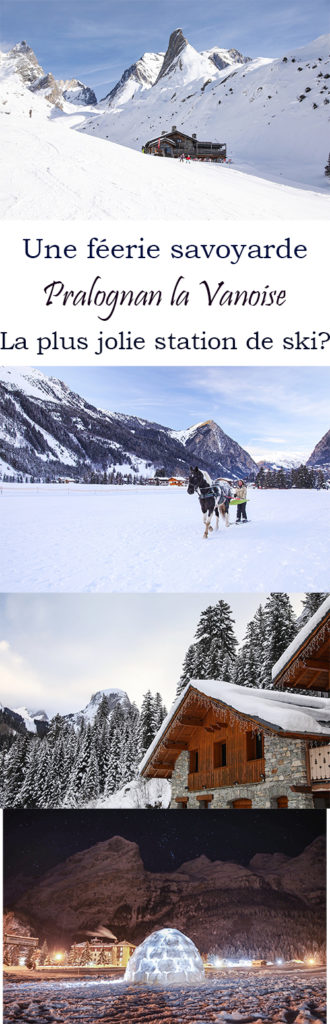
(249,668)
(159,712)
(28,795)
(311,603)
(222,647)
(44,952)
(213,653)
(279,631)
(15,768)
(188,672)
(147,721)
(85,753)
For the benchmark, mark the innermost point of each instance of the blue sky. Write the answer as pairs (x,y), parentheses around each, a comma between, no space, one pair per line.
(268,411)
(58,649)
(95,40)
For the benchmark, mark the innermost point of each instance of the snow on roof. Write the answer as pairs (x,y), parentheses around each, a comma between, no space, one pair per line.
(303,635)
(283,712)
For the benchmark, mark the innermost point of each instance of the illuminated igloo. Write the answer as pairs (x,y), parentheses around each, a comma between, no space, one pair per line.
(166,957)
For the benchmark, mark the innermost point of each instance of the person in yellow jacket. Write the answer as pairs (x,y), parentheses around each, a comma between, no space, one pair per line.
(241,493)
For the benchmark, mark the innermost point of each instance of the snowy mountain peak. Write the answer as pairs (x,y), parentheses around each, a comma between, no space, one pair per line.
(25,63)
(113,696)
(22,48)
(74,91)
(224,58)
(140,75)
(176,45)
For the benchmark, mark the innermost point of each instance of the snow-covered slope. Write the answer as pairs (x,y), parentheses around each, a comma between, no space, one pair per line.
(52,171)
(273,114)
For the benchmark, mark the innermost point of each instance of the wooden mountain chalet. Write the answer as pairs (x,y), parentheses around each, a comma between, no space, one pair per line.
(224,745)
(177,144)
(305,665)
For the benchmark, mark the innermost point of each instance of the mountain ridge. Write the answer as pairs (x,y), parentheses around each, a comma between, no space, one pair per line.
(108,884)
(47,429)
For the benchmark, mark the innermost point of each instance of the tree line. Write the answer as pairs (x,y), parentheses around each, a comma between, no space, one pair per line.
(300,478)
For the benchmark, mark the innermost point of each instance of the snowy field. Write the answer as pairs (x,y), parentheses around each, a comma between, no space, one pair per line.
(150,539)
(64,174)
(237,998)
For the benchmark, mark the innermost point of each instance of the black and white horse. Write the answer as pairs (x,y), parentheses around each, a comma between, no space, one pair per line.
(212,497)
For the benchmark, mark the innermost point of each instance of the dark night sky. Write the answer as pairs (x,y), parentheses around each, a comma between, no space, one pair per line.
(35,841)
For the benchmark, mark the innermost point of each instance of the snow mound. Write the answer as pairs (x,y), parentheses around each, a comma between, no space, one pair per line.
(139,794)
(166,957)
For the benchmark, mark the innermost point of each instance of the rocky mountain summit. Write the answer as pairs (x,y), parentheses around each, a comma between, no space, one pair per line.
(25,63)
(320,457)
(109,885)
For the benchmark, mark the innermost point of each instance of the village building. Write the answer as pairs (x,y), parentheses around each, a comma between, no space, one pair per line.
(101,953)
(177,144)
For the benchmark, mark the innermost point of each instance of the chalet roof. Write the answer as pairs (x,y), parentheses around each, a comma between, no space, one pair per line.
(163,138)
(309,638)
(177,133)
(283,713)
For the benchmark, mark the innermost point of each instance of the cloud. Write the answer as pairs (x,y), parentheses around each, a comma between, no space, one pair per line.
(20,684)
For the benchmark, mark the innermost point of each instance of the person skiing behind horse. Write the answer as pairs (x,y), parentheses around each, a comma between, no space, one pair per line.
(240,493)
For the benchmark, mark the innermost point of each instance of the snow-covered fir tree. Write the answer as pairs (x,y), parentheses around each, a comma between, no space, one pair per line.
(248,668)
(213,652)
(147,721)
(311,603)
(280,628)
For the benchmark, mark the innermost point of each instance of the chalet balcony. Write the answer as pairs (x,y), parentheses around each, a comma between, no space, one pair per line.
(319,763)
(216,778)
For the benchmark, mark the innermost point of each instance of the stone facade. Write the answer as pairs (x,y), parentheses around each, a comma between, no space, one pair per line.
(285,766)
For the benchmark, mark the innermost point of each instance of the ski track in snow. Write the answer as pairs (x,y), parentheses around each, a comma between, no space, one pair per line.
(232,999)
(129,539)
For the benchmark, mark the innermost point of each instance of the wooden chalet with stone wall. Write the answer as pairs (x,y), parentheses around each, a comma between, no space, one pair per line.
(224,745)
(177,144)
(305,665)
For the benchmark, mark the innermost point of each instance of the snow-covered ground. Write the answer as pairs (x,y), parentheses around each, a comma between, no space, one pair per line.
(76,538)
(53,171)
(235,997)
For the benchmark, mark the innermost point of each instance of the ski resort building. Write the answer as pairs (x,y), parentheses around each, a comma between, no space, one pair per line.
(224,745)
(177,143)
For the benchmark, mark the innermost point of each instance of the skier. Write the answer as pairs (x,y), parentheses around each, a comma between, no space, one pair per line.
(241,493)
(30,112)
